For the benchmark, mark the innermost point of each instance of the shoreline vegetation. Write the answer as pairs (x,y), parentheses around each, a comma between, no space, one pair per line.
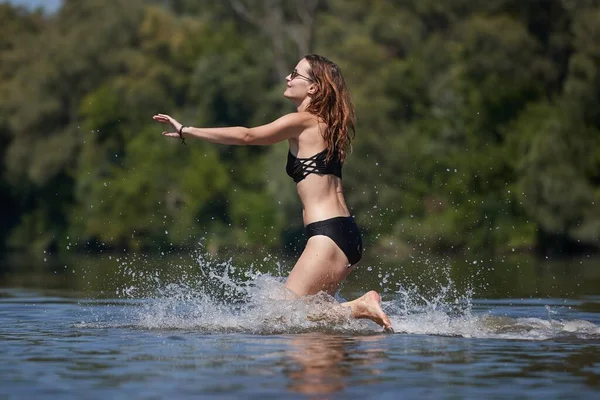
(478,124)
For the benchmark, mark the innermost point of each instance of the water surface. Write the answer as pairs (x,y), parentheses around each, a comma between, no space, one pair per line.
(193,327)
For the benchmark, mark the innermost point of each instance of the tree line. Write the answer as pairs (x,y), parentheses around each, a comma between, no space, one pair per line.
(478,123)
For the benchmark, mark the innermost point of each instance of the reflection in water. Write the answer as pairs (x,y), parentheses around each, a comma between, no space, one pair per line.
(319,364)
(46,352)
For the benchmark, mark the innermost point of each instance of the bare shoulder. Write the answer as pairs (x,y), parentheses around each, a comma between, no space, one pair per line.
(301,119)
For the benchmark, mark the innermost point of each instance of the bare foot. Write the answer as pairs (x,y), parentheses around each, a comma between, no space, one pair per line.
(369,306)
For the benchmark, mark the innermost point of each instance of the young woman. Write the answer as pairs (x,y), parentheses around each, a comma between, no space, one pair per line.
(319,136)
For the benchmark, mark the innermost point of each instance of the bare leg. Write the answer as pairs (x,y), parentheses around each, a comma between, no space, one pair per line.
(369,306)
(322,267)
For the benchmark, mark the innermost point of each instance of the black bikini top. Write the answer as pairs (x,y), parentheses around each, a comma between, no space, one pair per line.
(300,168)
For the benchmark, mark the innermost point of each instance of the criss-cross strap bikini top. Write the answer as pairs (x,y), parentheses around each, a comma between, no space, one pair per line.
(299,168)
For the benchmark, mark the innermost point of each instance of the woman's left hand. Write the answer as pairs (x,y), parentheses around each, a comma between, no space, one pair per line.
(167,119)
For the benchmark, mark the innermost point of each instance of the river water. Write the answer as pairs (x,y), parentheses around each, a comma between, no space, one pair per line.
(196,326)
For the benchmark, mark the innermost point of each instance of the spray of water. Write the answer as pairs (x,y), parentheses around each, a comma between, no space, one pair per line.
(214,296)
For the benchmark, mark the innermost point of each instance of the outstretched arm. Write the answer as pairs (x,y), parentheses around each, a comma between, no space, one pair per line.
(286,127)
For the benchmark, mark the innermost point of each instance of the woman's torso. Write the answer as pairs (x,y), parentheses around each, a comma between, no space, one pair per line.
(321,194)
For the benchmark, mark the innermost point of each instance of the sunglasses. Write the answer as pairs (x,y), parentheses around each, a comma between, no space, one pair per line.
(295,74)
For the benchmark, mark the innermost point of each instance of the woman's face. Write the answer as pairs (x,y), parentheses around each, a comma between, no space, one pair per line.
(299,83)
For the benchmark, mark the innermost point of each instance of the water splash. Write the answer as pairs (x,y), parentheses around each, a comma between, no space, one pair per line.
(213,296)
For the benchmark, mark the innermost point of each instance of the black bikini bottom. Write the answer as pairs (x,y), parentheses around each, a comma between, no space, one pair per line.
(343,231)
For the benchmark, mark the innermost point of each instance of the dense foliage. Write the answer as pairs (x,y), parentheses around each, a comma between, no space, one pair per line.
(478,122)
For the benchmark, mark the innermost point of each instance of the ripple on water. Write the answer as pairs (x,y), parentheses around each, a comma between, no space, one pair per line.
(218,299)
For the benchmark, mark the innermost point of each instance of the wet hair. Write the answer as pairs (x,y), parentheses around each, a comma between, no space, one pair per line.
(333,105)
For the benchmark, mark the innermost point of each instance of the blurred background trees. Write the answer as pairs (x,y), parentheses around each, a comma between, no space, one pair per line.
(478,123)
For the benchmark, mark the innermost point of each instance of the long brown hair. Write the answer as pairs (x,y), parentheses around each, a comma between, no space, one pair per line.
(333,105)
